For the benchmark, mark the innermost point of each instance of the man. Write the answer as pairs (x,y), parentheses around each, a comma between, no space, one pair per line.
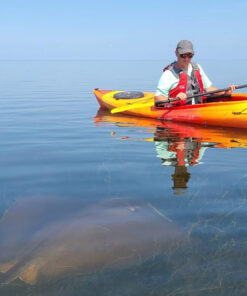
(183,78)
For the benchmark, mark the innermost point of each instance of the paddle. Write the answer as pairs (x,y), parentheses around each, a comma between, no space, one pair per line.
(143,103)
(205,94)
(129,105)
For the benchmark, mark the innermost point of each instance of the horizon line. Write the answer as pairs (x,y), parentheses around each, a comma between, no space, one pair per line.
(104,60)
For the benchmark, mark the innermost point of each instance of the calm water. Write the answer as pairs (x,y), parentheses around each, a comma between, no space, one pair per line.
(94,204)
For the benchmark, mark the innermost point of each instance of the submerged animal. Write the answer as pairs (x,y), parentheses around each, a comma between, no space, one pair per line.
(44,239)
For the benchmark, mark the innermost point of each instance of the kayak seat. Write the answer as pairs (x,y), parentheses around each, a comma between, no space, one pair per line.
(128,95)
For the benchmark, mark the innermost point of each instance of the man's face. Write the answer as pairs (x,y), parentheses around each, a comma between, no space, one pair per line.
(184,59)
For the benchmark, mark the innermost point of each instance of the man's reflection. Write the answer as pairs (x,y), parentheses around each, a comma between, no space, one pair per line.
(180,152)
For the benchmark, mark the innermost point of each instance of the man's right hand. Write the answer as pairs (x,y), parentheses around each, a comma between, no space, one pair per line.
(183,97)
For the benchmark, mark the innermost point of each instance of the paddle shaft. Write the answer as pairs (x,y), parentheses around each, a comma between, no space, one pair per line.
(205,94)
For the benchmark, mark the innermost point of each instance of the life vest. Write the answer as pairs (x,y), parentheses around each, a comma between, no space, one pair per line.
(187,84)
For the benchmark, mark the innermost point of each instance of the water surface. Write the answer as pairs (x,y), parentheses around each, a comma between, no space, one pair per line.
(96,204)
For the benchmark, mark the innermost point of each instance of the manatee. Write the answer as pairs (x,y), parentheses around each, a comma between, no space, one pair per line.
(46,239)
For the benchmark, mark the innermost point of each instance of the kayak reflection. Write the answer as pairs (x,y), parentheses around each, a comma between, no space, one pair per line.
(177,144)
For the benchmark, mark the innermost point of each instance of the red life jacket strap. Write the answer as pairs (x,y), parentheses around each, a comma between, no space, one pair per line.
(181,87)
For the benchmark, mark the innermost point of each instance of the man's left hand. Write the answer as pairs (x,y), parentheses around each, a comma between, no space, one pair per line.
(231,89)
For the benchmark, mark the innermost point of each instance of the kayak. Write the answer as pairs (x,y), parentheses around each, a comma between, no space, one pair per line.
(228,111)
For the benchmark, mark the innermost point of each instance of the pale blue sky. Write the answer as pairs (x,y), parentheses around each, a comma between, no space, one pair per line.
(129,29)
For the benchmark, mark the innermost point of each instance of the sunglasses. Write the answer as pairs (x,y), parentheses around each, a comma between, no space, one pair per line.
(186,55)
